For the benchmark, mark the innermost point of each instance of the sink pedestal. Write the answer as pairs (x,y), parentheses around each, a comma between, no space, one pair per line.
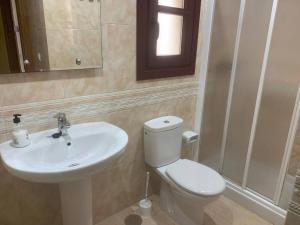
(76,202)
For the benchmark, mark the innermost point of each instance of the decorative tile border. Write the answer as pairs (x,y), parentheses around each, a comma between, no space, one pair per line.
(41,113)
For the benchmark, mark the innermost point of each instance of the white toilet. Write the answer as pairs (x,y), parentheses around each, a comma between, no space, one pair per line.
(187,186)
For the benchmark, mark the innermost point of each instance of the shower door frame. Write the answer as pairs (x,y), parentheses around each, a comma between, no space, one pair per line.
(265,207)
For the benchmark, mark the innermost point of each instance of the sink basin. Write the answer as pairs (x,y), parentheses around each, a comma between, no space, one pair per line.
(50,160)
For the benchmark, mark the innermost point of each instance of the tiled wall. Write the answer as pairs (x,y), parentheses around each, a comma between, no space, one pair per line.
(109,94)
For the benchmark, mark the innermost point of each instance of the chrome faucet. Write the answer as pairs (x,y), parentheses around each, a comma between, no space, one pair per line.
(63,125)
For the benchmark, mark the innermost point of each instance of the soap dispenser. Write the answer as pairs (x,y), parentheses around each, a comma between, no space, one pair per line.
(20,137)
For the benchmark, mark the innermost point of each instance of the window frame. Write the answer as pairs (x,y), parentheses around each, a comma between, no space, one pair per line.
(151,66)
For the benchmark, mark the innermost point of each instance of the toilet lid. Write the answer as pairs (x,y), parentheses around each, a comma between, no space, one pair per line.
(196,178)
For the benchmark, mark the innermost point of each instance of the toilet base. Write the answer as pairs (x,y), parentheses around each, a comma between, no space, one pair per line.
(173,204)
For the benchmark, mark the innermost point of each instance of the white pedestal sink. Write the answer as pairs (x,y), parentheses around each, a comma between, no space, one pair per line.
(49,160)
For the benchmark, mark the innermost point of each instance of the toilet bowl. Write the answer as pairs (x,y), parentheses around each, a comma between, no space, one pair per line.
(187,186)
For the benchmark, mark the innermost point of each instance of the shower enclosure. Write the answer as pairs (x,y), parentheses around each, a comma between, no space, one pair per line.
(251,102)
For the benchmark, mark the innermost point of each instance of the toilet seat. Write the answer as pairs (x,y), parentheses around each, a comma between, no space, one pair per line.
(194,177)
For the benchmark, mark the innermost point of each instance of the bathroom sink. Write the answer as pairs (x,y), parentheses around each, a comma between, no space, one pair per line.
(51,160)
(70,161)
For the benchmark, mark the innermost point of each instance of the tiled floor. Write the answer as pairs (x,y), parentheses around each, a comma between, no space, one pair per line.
(222,212)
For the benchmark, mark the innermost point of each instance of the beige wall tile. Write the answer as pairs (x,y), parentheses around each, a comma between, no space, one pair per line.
(109,193)
(9,205)
(119,65)
(77,43)
(85,82)
(118,11)
(70,14)
(24,88)
(39,203)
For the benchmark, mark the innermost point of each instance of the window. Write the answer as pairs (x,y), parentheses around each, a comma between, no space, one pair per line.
(167,33)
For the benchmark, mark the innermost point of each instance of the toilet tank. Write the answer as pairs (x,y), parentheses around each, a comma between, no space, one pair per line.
(162,140)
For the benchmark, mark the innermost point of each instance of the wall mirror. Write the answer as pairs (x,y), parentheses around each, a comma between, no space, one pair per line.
(48,35)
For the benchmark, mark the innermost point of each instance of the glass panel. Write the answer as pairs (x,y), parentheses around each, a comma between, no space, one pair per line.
(170,34)
(278,100)
(172,3)
(224,29)
(251,51)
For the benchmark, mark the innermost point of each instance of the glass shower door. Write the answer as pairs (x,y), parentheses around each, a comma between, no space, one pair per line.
(251,90)
(277,103)
(245,82)
(226,16)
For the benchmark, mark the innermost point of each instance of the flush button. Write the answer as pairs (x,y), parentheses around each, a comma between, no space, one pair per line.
(166,121)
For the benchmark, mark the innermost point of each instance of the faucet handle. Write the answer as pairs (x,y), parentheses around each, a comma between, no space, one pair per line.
(62,118)
(59,115)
